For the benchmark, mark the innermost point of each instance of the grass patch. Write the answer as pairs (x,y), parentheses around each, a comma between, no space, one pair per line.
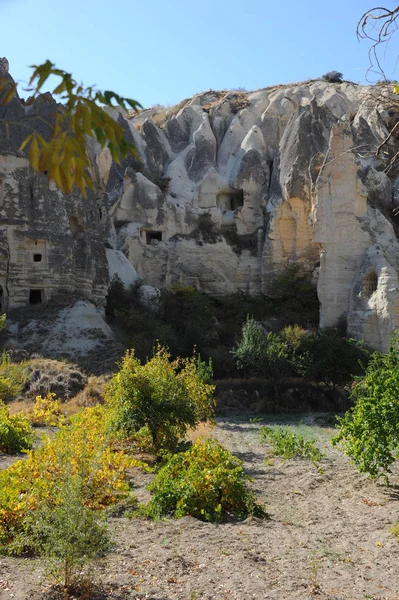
(288,444)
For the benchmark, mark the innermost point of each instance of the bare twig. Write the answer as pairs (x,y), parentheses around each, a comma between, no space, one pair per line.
(387,138)
(377,25)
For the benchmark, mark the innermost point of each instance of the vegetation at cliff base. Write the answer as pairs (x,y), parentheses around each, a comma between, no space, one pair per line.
(323,356)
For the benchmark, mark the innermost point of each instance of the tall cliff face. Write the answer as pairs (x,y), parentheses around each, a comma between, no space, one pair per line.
(49,242)
(227,189)
(232,187)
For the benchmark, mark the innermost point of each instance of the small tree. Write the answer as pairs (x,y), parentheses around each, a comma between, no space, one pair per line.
(166,396)
(328,357)
(65,531)
(369,432)
(295,296)
(263,354)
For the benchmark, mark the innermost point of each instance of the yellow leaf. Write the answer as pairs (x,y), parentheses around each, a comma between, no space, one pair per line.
(26,142)
(34,154)
(9,95)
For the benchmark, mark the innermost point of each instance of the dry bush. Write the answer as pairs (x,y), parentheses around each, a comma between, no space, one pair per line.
(46,375)
(93,392)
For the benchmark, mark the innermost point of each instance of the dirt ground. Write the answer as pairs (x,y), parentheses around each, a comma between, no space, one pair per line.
(327,536)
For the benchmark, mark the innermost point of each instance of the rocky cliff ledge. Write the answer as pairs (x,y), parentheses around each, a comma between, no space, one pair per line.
(227,189)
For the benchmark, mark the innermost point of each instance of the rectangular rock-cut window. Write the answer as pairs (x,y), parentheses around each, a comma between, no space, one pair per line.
(237,200)
(35,296)
(230,200)
(153,237)
(37,258)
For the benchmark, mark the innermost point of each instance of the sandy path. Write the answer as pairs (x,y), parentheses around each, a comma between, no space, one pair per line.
(327,537)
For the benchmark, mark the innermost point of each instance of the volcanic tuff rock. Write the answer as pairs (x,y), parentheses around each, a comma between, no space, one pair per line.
(226,190)
(49,241)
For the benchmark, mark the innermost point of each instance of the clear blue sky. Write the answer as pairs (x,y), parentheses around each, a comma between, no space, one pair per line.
(161,51)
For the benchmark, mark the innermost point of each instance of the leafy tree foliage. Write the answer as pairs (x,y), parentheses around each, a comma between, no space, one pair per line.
(295,297)
(325,356)
(81,455)
(15,432)
(190,313)
(331,358)
(13,376)
(369,432)
(206,482)
(62,154)
(166,396)
(67,534)
(263,354)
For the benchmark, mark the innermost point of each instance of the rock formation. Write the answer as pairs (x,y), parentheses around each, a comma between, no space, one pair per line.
(49,241)
(227,189)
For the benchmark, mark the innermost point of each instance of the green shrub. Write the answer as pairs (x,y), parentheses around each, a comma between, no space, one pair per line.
(13,376)
(369,432)
(68,534)
(81,453)
(142,328)
(191,314)
(328,357)
(206,482)
(263,354)
(294,336)
(333,77)
(294,298)
(15,432)
(166,396)
(183,318)
(291,445)
(118,297)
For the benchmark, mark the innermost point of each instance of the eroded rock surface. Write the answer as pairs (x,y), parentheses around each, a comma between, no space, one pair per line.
(227,189)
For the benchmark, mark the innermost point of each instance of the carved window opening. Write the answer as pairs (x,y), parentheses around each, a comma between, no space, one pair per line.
(370,284)
(153,237)
(37,258)
(231,200)
(35,296)
(2,305)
